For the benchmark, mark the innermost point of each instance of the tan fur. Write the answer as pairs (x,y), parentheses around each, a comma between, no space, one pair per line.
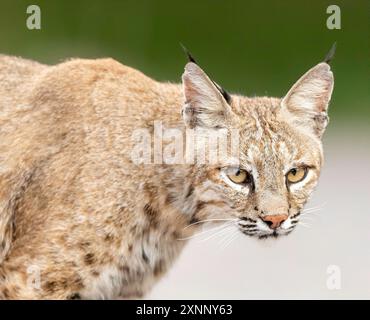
(74,206)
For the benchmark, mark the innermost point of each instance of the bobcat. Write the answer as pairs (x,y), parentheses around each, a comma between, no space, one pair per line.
(79,219)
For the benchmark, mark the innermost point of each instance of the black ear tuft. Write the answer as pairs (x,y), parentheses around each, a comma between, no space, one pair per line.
(188,54)
(330,55)
(224,93)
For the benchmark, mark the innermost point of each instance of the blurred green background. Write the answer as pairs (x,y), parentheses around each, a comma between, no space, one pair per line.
(250,47)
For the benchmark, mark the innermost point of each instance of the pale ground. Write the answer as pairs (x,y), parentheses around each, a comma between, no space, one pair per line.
(293,267)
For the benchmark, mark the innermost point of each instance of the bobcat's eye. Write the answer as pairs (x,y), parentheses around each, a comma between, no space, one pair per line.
(239,176)
(296,174)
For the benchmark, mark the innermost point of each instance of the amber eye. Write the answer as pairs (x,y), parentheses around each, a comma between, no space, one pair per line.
(239,176)
(296,174)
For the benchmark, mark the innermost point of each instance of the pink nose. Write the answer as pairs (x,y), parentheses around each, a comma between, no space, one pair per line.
(274,221)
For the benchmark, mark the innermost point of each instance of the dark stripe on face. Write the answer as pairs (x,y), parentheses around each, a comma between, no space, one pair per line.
(203,204)
(295,215)
(251,226)
(248,219)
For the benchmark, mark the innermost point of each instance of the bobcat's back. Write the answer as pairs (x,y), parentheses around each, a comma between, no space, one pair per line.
(17,77)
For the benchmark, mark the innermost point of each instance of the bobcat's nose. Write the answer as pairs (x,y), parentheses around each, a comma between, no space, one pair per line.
(274,221)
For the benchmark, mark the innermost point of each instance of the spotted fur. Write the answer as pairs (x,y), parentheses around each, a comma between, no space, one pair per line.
(95,225)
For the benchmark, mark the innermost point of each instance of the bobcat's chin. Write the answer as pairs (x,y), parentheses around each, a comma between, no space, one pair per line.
(264,235)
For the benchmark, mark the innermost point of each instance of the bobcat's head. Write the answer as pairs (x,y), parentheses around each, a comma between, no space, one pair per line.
(280,149)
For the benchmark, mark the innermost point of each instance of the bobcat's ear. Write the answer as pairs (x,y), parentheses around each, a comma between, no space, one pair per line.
(206,104)
(307,101)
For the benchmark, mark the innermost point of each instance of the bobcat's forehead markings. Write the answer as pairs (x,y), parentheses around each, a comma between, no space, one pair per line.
(75,208)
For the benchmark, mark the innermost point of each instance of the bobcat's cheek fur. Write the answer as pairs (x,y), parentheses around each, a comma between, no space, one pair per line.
(78,219)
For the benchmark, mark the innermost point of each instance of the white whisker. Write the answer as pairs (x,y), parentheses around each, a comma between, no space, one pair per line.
(314,208)
(303,218)
(226,237)
(209,220)
(206,231)
(315,213)
(218,233)
(202,232)
(304,224)
(231,239)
